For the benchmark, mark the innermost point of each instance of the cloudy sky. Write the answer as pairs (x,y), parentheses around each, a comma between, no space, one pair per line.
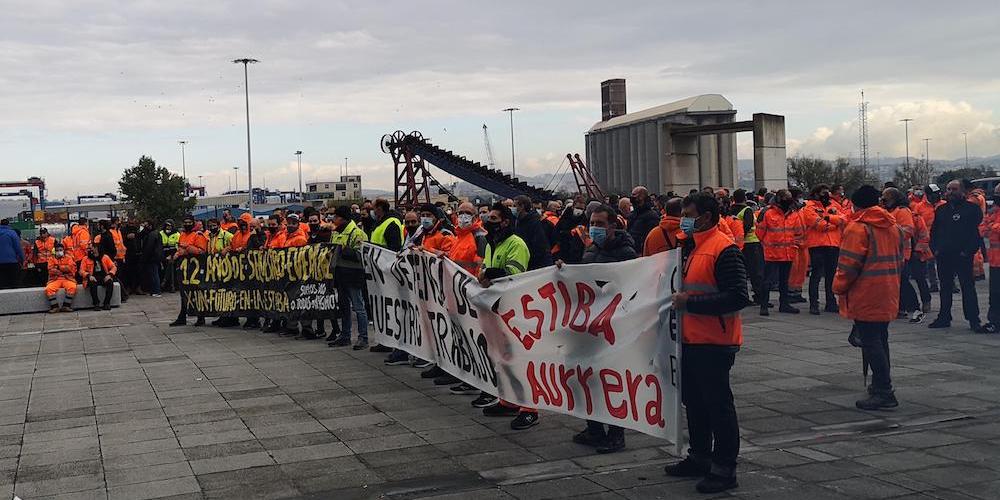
(87,86)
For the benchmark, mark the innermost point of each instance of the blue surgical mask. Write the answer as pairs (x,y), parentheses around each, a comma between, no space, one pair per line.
(513,210)
(427,222)
(598,235)
(687,225)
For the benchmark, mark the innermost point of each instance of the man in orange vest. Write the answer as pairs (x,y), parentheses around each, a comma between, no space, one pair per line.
(867,285)
(41,252)
(896,204)
(714,290)
(990,228)
(779,227)
(62,275)
(191,243)
(823,223)
(667,235)
(98,270)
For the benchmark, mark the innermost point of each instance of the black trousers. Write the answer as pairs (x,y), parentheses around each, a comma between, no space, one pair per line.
(918,273)
(950,266)
(753,253)
(713,429)
(875,348)
(822,264)
(907,295)
(777,273)
(109,290)
(993,315)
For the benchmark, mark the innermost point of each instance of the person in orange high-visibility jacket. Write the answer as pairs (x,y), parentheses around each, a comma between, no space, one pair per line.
(41,251)
(867,285)
(275,232)
(977,196)
(713,291)
(98,270)
(917,266)
(438,235)
(823,224)
(895,203)
(990,229)
(780,230)
(470,240)
(295,233)
(667,235)
(190,243)
(81,239)
(62,275)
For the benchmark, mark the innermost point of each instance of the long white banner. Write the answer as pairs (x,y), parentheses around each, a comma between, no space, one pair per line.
(597,341)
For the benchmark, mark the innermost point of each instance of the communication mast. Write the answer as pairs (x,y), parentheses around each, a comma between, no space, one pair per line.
(863,131)
(490,160)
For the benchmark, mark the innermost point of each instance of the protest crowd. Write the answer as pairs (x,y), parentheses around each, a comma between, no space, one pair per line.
(879,253)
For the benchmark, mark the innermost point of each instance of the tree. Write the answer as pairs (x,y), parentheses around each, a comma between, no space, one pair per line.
(807,172)
(154,192)
(963,173)
(918,173)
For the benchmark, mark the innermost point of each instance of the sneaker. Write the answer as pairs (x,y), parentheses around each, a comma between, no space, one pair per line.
(797,299)
(446,379)
(687,468)
(587,438)
(785,308)
(97,307)
(421,364)
(940,323)
(66,308)
(524,420)
(990,328)
(156,295)
(433,372)
(179,322)
(339,343)
(814,310)
(614,443)
(464,389)
(397,358)
(380,348)
(916,316)
(360,346)
(764,311)
(716,484)
(976,328)
(877,402)
(485,401)
(499,410)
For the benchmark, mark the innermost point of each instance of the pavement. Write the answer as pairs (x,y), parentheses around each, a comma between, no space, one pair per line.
(119,405)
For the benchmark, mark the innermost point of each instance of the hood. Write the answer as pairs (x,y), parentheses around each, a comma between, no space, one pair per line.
(876,216)
(670,223)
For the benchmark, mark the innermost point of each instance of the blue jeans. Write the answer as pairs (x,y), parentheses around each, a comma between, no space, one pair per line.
(153,276)
(351,299)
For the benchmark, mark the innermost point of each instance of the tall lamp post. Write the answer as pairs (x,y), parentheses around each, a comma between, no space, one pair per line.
(965,135)
(184,170)
(201,184)
(246,88)
(906,125)
(927,150)
(236,178)
(298,154)
(513,168)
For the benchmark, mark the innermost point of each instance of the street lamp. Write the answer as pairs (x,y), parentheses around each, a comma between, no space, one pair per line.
(513,168)
(184,167)
(906,124)
(927,150)
(344,173)
(965,135)
(246,88)
(201,183)
(236,178)
(299,155)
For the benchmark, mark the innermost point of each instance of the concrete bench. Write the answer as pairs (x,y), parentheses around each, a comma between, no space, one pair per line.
(32,300)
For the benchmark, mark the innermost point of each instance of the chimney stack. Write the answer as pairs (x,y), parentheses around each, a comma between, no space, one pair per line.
(612,98)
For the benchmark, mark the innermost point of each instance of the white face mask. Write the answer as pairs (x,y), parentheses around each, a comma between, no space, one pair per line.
(577,212)
(464,220)
(60,253)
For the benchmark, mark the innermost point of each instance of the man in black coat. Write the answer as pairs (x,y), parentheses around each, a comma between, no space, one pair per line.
(643,218)
(532,230)
(955,240)
(152,256)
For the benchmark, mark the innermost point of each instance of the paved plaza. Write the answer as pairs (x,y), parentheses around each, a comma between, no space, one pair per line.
(118,405)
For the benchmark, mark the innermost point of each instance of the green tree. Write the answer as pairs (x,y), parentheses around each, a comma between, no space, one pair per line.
(807,171)
(918,173)
(963,173)
(154,192)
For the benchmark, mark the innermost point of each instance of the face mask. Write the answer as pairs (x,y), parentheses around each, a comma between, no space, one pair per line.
(272,228)
(242,227)
(464,220)
(213,230)
(539,211)
(918,194)
(188,227)
(785,204)
(492,228)
(60,253)
(577,212)
(427,222)
(513,210)
(687,225)
(314,226)
(598,235)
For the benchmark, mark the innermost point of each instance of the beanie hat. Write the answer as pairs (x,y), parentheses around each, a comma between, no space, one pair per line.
(865,197)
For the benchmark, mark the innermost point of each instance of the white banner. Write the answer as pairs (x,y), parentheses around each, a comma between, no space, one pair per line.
(597,341)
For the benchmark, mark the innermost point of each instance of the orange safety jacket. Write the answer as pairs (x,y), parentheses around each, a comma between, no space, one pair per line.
(699,278)
(868,271)
(781,234)
(239,241)
(63,268)
(276,239)
(823,224)
(87,267)
(925,209)
(438,240)
(299,238)
(81,241)
(666,236)
(197,241)
(921,239)
(229,226)
(904,219)
(42,250)
(116,235)
(990,229)
(466,251)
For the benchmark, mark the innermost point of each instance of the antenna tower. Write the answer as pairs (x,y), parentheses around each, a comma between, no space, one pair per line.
(863,131)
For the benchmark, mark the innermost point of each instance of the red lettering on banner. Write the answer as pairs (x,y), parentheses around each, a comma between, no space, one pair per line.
(576,316)
(613,387)
(537,392)
(506,317)
(602,325)
(654,408)
(633,387)
(548,291)
(551,383)
(564,376)
(585,297)
(566,300)
(535,314)
(583,376)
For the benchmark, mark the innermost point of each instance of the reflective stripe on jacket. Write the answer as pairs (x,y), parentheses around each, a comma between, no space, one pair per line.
(511,255)
(823,224)
(781,234)
(990,229)
(868,271)
(699,278)
(904,219)
(62,268)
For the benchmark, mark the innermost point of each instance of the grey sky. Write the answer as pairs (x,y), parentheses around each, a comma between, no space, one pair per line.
(88,86)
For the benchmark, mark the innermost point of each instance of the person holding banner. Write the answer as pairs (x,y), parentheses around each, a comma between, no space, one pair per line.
(296,236)
(609,243)
(713,291)
(349,275)
(190,242)
(219,241)
(506,255)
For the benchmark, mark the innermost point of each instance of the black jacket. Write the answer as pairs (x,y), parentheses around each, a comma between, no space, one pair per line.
(956,229)
(570,245)
(531,229)
(731,278)
(641,221)
(617,250)
(152,248)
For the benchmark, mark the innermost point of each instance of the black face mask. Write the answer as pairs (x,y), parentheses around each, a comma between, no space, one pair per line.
(188,227)
(242,227)
(314,226)
(785,204)
(825,199)
(272,229)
